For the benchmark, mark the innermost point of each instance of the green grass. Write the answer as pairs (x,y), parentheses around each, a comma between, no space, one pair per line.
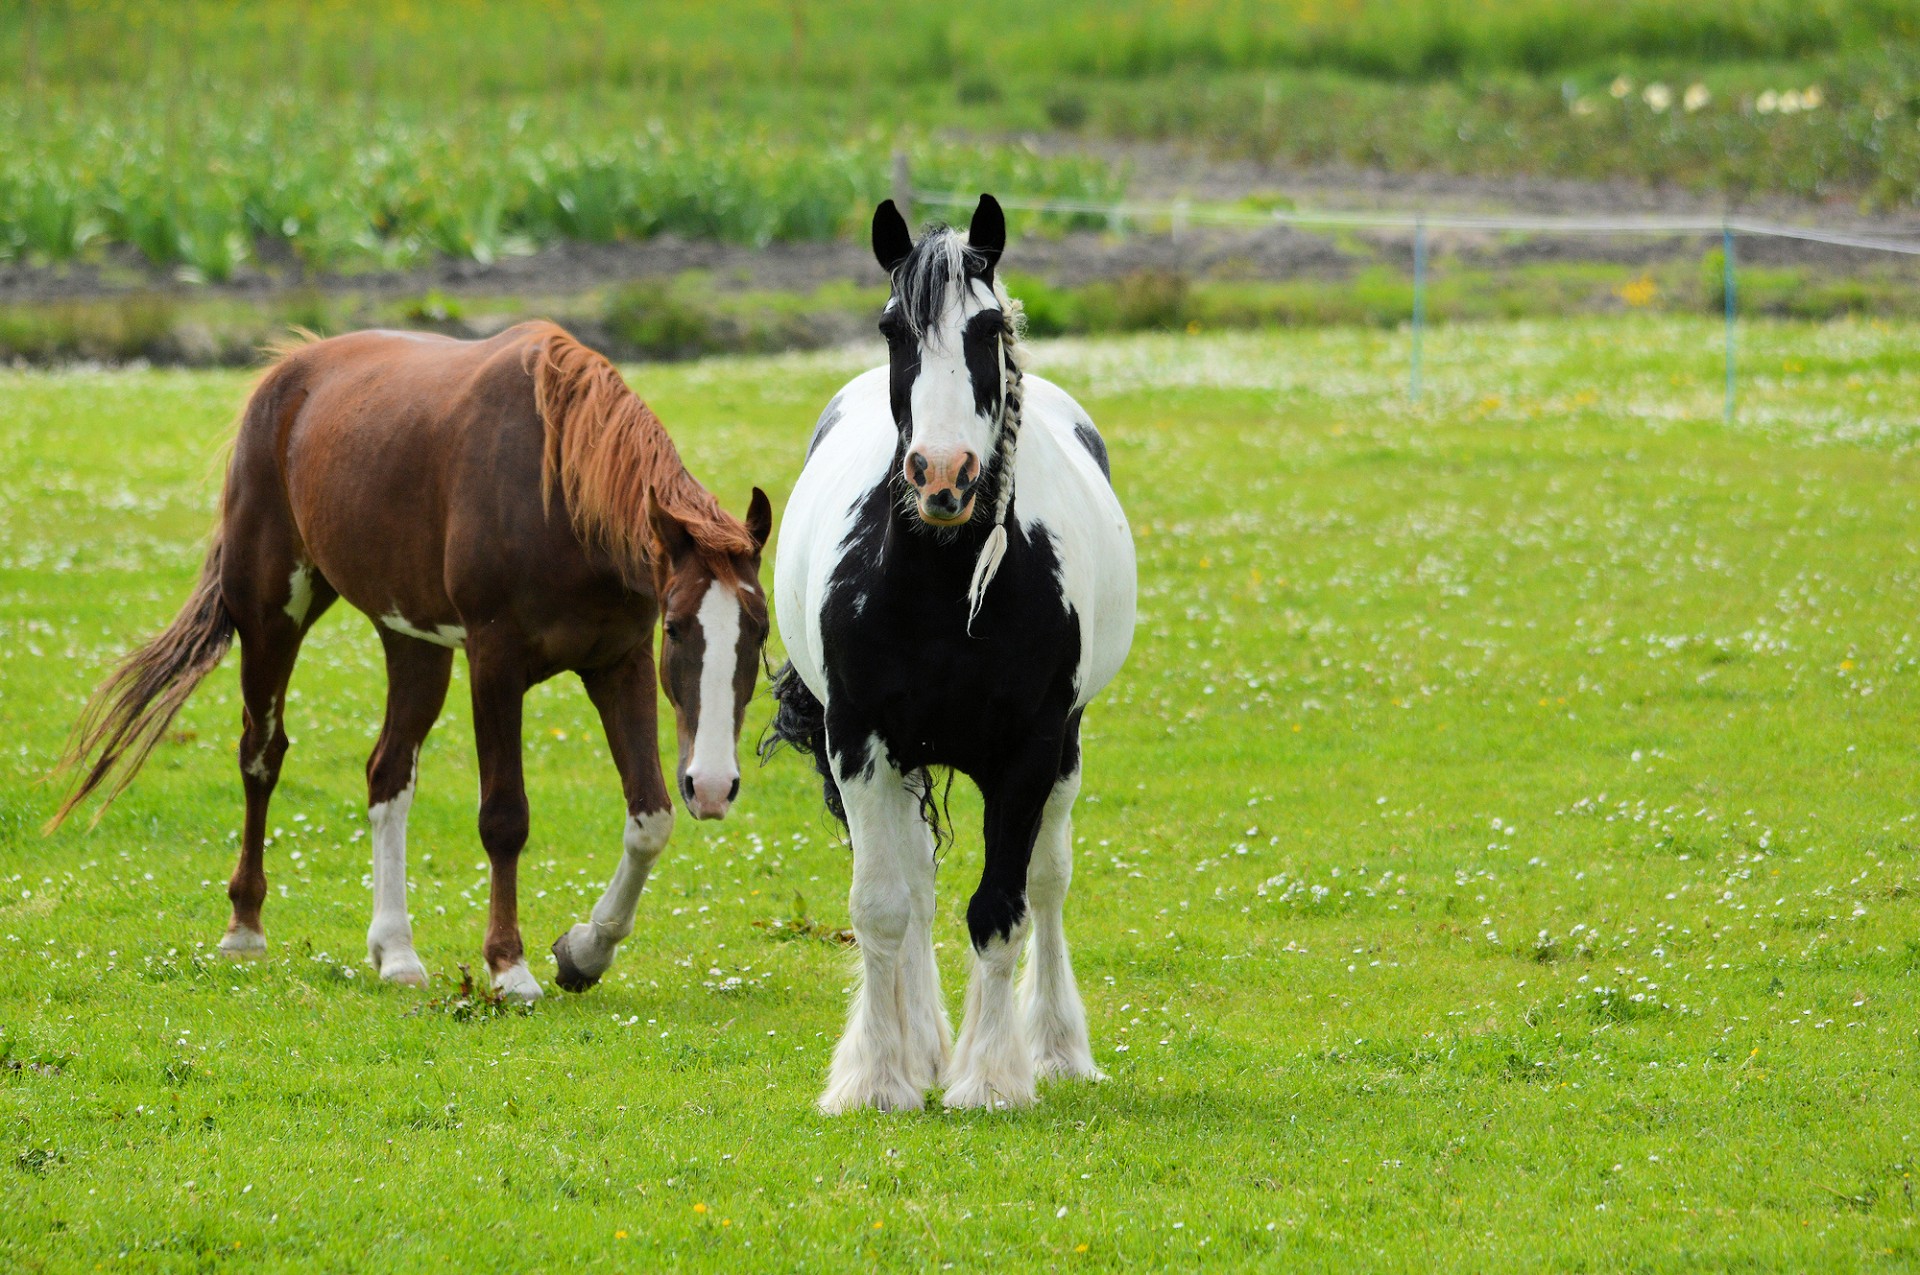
(1499,853)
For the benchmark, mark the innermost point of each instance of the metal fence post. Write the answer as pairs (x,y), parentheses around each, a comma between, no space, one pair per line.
(1419,301)
(1727,286)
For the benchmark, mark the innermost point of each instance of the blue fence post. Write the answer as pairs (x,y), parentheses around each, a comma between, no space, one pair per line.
(1419,300)
(1727,286)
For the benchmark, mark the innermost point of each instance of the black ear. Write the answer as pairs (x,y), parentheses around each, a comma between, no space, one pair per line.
(988,233)
(759,518)
(892,241)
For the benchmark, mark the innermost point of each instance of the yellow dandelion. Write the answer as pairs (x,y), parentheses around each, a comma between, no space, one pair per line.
(699,1208)
(879,1225)
(619,1235)
(1638,292)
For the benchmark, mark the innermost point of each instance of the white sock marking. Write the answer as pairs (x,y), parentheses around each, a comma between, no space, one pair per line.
(896,1033)
(991,1065)
(1056,1022)
(516,983)
(390,935)
(592,943)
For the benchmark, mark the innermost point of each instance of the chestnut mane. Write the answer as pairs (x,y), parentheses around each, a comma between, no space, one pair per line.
(611,457)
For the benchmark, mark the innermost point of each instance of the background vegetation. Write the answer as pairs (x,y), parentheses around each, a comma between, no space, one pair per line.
(1499,854)
(330,134)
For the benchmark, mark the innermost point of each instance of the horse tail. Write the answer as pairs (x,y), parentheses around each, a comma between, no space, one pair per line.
(131,710)
(800,722)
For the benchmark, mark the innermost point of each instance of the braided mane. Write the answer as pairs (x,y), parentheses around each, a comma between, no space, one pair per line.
(940,262)
(612,459)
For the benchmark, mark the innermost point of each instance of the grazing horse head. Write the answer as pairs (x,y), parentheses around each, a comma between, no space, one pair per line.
(951,333)
(714,621)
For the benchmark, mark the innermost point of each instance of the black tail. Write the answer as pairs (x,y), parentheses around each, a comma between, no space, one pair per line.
(800,721)
(131,710)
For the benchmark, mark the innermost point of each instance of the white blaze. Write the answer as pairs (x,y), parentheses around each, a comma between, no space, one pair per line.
(713,755)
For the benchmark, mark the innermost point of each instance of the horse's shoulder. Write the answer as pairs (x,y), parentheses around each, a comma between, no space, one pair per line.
(1058,411)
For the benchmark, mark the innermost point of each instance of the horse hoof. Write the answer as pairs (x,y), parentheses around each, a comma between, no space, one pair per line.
(403,968)
(569,976)
(516,983)
(242,944)
(975,1093)
(876,1095)
(1066,1065)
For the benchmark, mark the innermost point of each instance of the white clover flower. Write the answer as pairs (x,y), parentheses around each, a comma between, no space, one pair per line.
(1658,96)
(1697,97)
(1621,86)
(1790,102)
(1767,103)
(1811,98)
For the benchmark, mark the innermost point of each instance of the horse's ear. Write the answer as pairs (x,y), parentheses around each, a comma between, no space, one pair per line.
(892,241)
(988,233)
(759,518)
(672,538)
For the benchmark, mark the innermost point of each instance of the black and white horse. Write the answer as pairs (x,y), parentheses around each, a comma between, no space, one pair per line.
(955,582)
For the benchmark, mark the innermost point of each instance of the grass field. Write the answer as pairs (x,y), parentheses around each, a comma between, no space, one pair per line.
(1499,854)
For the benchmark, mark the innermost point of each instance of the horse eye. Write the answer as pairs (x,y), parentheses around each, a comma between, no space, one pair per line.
(673,631)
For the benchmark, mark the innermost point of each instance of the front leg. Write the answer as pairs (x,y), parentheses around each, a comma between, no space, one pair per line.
(629,713)
(992,1062)
(498,687)
(896,1031)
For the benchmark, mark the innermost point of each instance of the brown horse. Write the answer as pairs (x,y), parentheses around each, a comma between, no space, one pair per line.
(418,477)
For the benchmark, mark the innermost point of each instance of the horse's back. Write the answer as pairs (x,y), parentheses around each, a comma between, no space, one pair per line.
(397,455)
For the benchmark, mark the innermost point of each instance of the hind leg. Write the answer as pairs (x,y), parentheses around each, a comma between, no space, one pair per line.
(417,676)
(270,633)
(629,714)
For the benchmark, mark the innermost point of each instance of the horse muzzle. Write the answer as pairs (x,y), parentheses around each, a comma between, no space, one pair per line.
(943,483)
(709,796)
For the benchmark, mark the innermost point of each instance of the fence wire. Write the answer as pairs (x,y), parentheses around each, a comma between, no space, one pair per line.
(1180,213)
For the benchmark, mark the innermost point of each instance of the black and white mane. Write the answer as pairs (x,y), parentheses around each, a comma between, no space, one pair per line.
(955,583)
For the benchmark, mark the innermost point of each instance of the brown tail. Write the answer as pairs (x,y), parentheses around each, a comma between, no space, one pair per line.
(131,710)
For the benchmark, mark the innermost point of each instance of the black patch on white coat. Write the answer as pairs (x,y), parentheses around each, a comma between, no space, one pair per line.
(1096,446)
(901,668)
(828,419)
